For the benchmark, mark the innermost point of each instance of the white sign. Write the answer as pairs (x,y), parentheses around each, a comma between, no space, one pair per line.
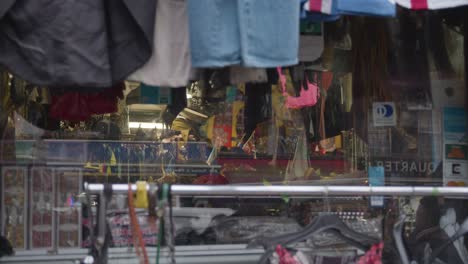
(455,147)
(455,173)
(384,114)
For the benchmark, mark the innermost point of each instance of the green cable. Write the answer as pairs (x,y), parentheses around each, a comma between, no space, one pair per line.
(163,199)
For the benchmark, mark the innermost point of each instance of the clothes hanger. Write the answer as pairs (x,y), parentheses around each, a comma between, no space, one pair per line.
(266,242)
(348,240)
(329,222)
(398,236)
(460,233)
(322,223)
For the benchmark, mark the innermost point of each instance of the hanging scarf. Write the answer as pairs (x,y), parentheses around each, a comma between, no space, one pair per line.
(138,241)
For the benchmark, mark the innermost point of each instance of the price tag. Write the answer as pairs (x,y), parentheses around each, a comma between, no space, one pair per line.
(376,178)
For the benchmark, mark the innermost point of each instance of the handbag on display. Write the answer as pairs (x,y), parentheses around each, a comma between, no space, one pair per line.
(306,98)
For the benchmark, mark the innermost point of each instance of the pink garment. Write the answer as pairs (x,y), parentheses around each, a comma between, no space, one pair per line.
(306,98)
(419,4)
(321,6)
(373,256)
(284,256)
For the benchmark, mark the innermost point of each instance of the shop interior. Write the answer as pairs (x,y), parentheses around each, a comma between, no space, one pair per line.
(259,135)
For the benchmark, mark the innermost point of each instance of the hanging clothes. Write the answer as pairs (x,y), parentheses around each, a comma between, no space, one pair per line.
(306,98)
(169,66)
(257,106)
(431,4)
(315,16)
(284,257)
(384,8)
(84,43)
(254,33)
(80,106)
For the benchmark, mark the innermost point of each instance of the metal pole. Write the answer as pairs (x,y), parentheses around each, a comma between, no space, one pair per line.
(297,190)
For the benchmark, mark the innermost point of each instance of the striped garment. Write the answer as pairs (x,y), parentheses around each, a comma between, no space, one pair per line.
(352,7)
(326,6)
(322,6)
(431,4)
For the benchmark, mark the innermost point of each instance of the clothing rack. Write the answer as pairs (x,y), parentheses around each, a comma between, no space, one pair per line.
(231,254)
(271,191)
(294,190)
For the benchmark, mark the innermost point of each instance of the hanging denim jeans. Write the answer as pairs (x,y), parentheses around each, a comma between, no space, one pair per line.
(254,33)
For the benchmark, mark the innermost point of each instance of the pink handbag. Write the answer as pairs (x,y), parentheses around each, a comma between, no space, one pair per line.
(306,98)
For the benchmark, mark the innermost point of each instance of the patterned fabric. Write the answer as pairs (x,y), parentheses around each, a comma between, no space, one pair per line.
(286,256)
(322,6)
(355,7)
(431,4)
(373,256)
(329,6)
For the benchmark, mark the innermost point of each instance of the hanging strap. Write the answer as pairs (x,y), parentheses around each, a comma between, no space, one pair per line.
(138,241)
(164,202)
(322,128)
(171,240)
(162,190)
(282,80)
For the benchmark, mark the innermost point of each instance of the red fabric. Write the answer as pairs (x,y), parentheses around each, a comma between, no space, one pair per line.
(327,80)
(211,180)
(284,256)
(373,256)
(138,241)
(419,4)
(315,5)
(76,106)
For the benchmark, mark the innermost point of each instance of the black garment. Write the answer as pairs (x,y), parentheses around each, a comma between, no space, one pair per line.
(75,43)
(336,119)
(5,247)
(257,105)
(179,102)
